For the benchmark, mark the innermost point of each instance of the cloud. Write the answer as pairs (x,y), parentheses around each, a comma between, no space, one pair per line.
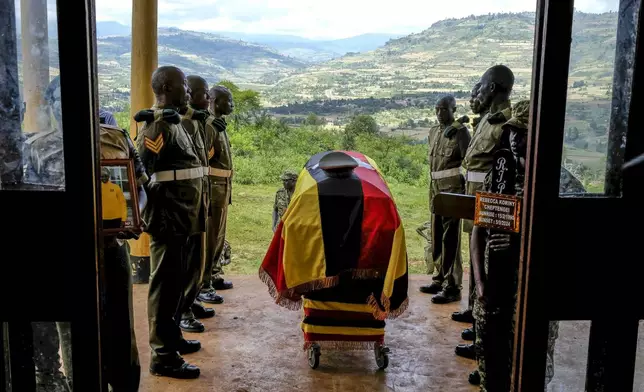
(315,19)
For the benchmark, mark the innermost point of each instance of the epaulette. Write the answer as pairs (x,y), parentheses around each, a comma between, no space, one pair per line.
(452,129)
(497,118)
(150,116)
(194,114)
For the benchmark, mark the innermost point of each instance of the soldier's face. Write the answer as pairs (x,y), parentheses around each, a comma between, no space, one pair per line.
(180,92)
(519,144)
(225,104)
(475,104)
(200,99)
(289,184)
(444,114)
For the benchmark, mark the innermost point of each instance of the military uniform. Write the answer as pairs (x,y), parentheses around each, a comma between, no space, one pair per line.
(478,162)
(282,199)
(44,159)
(220,168)
(447,148)
(193,121)
(47,336)
(424,231)
(123,370)
(175,216)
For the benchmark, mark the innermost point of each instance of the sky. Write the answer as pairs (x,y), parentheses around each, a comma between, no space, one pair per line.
(328,19)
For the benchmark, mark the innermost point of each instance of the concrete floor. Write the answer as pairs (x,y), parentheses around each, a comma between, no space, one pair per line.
(254,345)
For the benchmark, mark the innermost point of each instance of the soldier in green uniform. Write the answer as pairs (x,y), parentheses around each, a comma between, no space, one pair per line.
(494,92)
(193,119)
(448,143)
(123,370)
(220,173)
(175,216)
(465,316)
(283,196)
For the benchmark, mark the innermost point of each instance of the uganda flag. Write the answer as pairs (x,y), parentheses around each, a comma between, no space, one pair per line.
(337,227)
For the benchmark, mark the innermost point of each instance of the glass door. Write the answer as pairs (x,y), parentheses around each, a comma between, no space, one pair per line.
(580,257)
(49,301)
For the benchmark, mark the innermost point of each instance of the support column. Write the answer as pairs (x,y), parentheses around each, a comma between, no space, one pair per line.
(144,56)
(144,62)
(35,63)
(11,137)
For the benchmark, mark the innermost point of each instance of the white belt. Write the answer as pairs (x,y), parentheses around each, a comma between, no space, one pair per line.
(476,176)
(446,173)
(175,175)
(213,171)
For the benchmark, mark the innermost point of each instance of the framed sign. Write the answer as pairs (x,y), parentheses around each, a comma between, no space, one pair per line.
(120,206)
(498,211)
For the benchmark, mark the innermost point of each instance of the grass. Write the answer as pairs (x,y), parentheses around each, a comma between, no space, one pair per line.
(250,220)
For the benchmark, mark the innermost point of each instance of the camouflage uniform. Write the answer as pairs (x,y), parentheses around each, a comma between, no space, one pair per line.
(424,231)
(478,162)
(176,217)
(282,199)
(47,336)
(495,322)
(447,148)
(496,326)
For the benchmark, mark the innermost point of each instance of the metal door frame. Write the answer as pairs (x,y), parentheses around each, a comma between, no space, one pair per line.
(590,234)
(46,225)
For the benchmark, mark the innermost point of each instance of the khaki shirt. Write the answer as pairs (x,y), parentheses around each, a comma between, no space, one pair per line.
(174,207)
(445,158)
(219,157)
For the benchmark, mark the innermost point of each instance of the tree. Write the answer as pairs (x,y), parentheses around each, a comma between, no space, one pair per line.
(362,124)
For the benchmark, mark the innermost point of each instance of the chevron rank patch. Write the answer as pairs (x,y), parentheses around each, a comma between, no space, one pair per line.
(154,145)
(211,153)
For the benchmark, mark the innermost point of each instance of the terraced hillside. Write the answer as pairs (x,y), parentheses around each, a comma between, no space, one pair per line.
(451,55)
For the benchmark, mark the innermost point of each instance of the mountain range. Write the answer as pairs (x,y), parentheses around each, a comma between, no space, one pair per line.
(449,55)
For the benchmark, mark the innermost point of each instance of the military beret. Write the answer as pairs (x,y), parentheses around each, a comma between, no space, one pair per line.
(288,175)
(520,116)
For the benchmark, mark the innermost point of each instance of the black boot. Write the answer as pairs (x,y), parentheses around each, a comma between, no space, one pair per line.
(446,296)
(433,288)
(202,312)
(464,316)
(466,351)
(468,334)
(474,378)
(177,369)
(192,325)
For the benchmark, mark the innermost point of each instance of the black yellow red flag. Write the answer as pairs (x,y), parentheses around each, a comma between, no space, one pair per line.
(335,226)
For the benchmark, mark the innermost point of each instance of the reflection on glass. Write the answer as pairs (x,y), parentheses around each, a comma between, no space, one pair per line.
(117,198)
(45,348)
(31,145)
(567,356)
(52,356)
(638,384)
(599,76)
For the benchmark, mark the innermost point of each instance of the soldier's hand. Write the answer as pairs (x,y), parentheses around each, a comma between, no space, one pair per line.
(499,242)
(127,235)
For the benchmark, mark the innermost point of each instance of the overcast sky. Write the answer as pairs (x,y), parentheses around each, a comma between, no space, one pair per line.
(321,19)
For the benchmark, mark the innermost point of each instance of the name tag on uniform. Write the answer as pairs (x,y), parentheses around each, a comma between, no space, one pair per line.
(498,211)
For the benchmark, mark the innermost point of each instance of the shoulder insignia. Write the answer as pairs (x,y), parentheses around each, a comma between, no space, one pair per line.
(150,116)
(154,145)
(211,153)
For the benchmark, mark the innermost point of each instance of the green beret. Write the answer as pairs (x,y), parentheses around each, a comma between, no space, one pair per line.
(520,116)
(288,175)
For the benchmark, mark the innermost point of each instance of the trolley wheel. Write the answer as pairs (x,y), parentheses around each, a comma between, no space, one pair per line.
(314,356)
(382,356)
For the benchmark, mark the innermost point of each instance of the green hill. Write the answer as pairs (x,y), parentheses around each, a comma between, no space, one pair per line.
(451,55)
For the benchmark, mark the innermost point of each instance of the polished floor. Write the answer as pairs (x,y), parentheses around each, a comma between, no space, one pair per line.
(253,345)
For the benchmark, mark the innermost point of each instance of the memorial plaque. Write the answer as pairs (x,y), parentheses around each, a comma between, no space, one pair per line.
(498,211)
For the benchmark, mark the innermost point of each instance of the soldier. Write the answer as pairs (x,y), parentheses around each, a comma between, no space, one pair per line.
(494,314)
(448,143)
(221,171)
(175,217)
(283,196)
(494,93)
(123,370)
(193,120)
(465,316)
(425,231)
